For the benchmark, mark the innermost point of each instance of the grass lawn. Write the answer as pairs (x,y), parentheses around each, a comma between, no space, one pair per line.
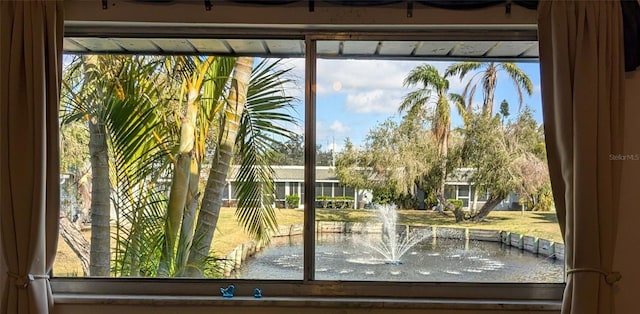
(229,234)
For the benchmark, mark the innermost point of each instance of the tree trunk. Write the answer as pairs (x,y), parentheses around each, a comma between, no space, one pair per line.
(84,190)
(212,200)
(179,184)
(474,204)
(491,203)
(72,235)
(100,200)
(189,218)
(489,90)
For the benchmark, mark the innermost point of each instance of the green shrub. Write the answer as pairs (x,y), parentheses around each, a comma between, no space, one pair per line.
(293,200)
(455,202)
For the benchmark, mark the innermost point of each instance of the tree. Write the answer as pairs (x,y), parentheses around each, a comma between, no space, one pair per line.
(324,157)
(533,182)
(433,89)
(93,86)
(417,102)
(183,198)
(252,121)
(486,76)
(505,159)
(504,110)
(526,135)
(141,135)
(394,160)
(486,150)
(74,150)
(290,152)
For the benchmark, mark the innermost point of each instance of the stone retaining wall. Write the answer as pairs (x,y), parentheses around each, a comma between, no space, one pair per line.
(241,253)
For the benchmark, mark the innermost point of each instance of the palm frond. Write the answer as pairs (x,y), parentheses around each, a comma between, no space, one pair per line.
(266,121)
(463,111)
(139,160)
(520,79)
(462,68)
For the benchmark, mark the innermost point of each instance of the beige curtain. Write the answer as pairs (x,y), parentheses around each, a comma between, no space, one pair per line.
(31,35)
(582,71)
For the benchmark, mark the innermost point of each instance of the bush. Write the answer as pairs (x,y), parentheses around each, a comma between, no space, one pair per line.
(293,200)
(455,202)
(388,196)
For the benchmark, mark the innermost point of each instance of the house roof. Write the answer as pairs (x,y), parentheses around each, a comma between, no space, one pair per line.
(294,173)
(460,176)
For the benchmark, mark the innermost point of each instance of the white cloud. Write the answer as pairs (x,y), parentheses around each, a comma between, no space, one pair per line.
(339,127)
(335,147)
(374,101)
(363,76)
(355,75)
(332,135)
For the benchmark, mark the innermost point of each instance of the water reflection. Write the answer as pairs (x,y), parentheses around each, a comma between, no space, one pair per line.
(343,257)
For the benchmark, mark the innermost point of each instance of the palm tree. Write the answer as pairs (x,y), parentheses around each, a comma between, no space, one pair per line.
(154,234)
(251,120)
(433,91)
(94,86)
(487,75)
(193,73)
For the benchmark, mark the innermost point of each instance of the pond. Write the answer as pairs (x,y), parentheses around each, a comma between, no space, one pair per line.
(345,257)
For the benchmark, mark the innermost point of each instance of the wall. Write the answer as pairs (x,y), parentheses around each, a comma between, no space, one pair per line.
(291,15)
(627,248)
(266,310)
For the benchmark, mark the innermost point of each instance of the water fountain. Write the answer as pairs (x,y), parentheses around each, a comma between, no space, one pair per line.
(392,245)
(399,253)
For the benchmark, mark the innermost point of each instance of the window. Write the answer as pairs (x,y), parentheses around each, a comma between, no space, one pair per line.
(367,152)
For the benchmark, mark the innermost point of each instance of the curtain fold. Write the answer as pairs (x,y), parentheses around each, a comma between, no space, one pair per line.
(31,34)
(582,73)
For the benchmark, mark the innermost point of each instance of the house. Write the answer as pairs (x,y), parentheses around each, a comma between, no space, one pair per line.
(290,180)
(459,185)
(106,19)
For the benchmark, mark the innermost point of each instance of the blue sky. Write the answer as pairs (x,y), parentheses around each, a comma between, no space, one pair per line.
(355,95)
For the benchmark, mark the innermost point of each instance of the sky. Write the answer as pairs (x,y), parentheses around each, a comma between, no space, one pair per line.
(353,96)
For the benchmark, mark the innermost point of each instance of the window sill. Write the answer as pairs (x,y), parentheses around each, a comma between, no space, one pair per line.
(309,302)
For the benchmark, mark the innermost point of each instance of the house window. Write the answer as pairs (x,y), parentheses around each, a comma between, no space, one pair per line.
(463,191)
(358,114)
(280,190)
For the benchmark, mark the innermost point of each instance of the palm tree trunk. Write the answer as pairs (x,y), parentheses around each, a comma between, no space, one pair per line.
(212,200)
(179,185)
(489,89)
(189,217)
(100,200)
